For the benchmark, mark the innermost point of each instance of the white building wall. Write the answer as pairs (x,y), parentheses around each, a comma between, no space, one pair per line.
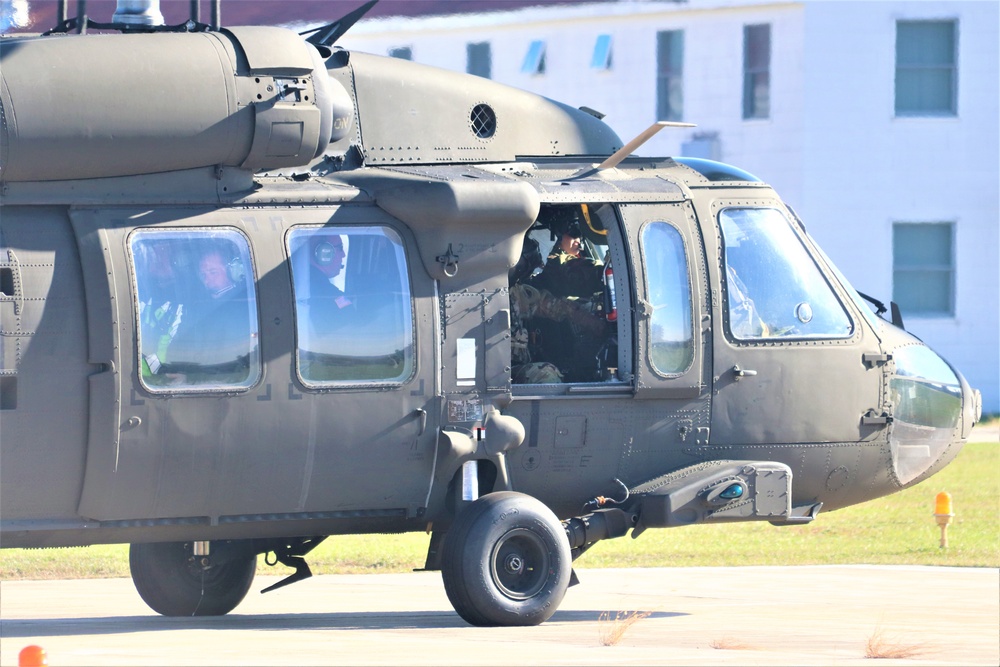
(866,169)
(831,147)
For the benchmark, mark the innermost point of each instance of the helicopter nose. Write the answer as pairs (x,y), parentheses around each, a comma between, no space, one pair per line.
(934,411)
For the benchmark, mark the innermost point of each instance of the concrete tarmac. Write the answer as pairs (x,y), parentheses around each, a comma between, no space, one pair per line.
(805,615)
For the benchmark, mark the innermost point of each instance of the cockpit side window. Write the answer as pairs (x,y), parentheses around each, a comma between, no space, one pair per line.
(774,289)
(562,298)
(353,309)
(196,309)
(668,289)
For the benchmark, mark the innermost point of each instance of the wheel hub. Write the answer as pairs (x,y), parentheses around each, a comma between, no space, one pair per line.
(520,564)
(514,564)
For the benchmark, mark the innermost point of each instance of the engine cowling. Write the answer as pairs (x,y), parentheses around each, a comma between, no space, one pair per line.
(94,106)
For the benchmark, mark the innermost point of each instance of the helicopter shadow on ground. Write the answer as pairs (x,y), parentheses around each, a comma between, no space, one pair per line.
(116,625)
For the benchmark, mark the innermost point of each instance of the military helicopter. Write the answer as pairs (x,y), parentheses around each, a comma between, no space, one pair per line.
(257,290)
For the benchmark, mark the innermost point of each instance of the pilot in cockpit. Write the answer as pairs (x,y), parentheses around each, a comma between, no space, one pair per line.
(569,271)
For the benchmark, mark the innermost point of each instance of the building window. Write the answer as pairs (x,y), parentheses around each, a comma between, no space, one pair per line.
(353,312)
(534,59)
(401,52)
(926,72)
(479,59)
(196,309)
(923,268)
(756,71)
(602,53)
(669,75)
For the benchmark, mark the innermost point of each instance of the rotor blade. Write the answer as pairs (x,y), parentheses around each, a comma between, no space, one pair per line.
(328,34)
(643,137)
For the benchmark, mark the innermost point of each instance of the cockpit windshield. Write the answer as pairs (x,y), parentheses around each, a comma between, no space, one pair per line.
(774,288)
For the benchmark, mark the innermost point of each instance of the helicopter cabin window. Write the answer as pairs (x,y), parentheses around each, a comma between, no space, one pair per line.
(353,313)
(671,335)
(196,310)
(562,299)
(773,287)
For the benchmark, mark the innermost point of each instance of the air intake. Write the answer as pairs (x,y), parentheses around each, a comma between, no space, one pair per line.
(483,121)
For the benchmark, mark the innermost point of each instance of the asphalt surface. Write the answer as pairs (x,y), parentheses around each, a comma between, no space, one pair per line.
(805,615)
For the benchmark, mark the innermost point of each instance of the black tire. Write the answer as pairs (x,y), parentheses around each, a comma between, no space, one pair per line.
(506,561)
(172,581)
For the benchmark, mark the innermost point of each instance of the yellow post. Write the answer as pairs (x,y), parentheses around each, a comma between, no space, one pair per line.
(943,515)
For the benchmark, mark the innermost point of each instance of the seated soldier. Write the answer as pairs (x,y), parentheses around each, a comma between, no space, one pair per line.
(568,272)
(553,339)
(217,335)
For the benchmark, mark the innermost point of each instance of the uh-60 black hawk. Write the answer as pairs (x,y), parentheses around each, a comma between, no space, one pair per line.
(258,290)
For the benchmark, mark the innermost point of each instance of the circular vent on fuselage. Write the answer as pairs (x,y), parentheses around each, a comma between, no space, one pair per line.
(483,121)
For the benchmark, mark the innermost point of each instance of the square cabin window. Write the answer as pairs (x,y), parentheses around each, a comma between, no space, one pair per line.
(923,268)
(926,68)
(353,308)
(196,307)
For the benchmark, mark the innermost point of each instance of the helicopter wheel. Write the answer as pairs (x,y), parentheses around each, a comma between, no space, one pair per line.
(506,561)
(174,582)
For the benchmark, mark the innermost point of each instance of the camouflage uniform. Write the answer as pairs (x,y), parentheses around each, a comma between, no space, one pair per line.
(568,275)
(530,308)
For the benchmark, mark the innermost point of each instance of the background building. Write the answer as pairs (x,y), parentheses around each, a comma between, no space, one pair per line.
(876,121)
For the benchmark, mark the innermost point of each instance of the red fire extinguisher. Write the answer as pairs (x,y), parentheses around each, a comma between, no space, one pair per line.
(610,305)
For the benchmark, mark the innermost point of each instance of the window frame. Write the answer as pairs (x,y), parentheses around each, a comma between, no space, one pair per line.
(534,58)
(617,248)
(926,68)
(669,74)
(409,330)
(823,274)
(755,72)
(476,51)
(686,255)
(949,270)
(603,55)
(256,361)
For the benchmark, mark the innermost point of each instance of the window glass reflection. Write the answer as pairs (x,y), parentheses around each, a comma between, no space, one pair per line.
(196,309)
(774,288)
(671,342)
(352,305)
(927,399)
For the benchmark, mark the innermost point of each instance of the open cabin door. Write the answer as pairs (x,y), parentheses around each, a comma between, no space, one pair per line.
(644,402)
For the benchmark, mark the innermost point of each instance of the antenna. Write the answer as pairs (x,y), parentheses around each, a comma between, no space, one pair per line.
(328,34)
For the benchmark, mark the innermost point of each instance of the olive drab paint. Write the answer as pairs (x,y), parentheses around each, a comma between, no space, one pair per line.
(257,290)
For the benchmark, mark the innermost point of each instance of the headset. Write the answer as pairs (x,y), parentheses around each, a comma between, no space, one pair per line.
(325,252)
(236,270)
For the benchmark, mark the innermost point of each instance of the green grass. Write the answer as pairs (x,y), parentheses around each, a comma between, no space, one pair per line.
(898,529)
